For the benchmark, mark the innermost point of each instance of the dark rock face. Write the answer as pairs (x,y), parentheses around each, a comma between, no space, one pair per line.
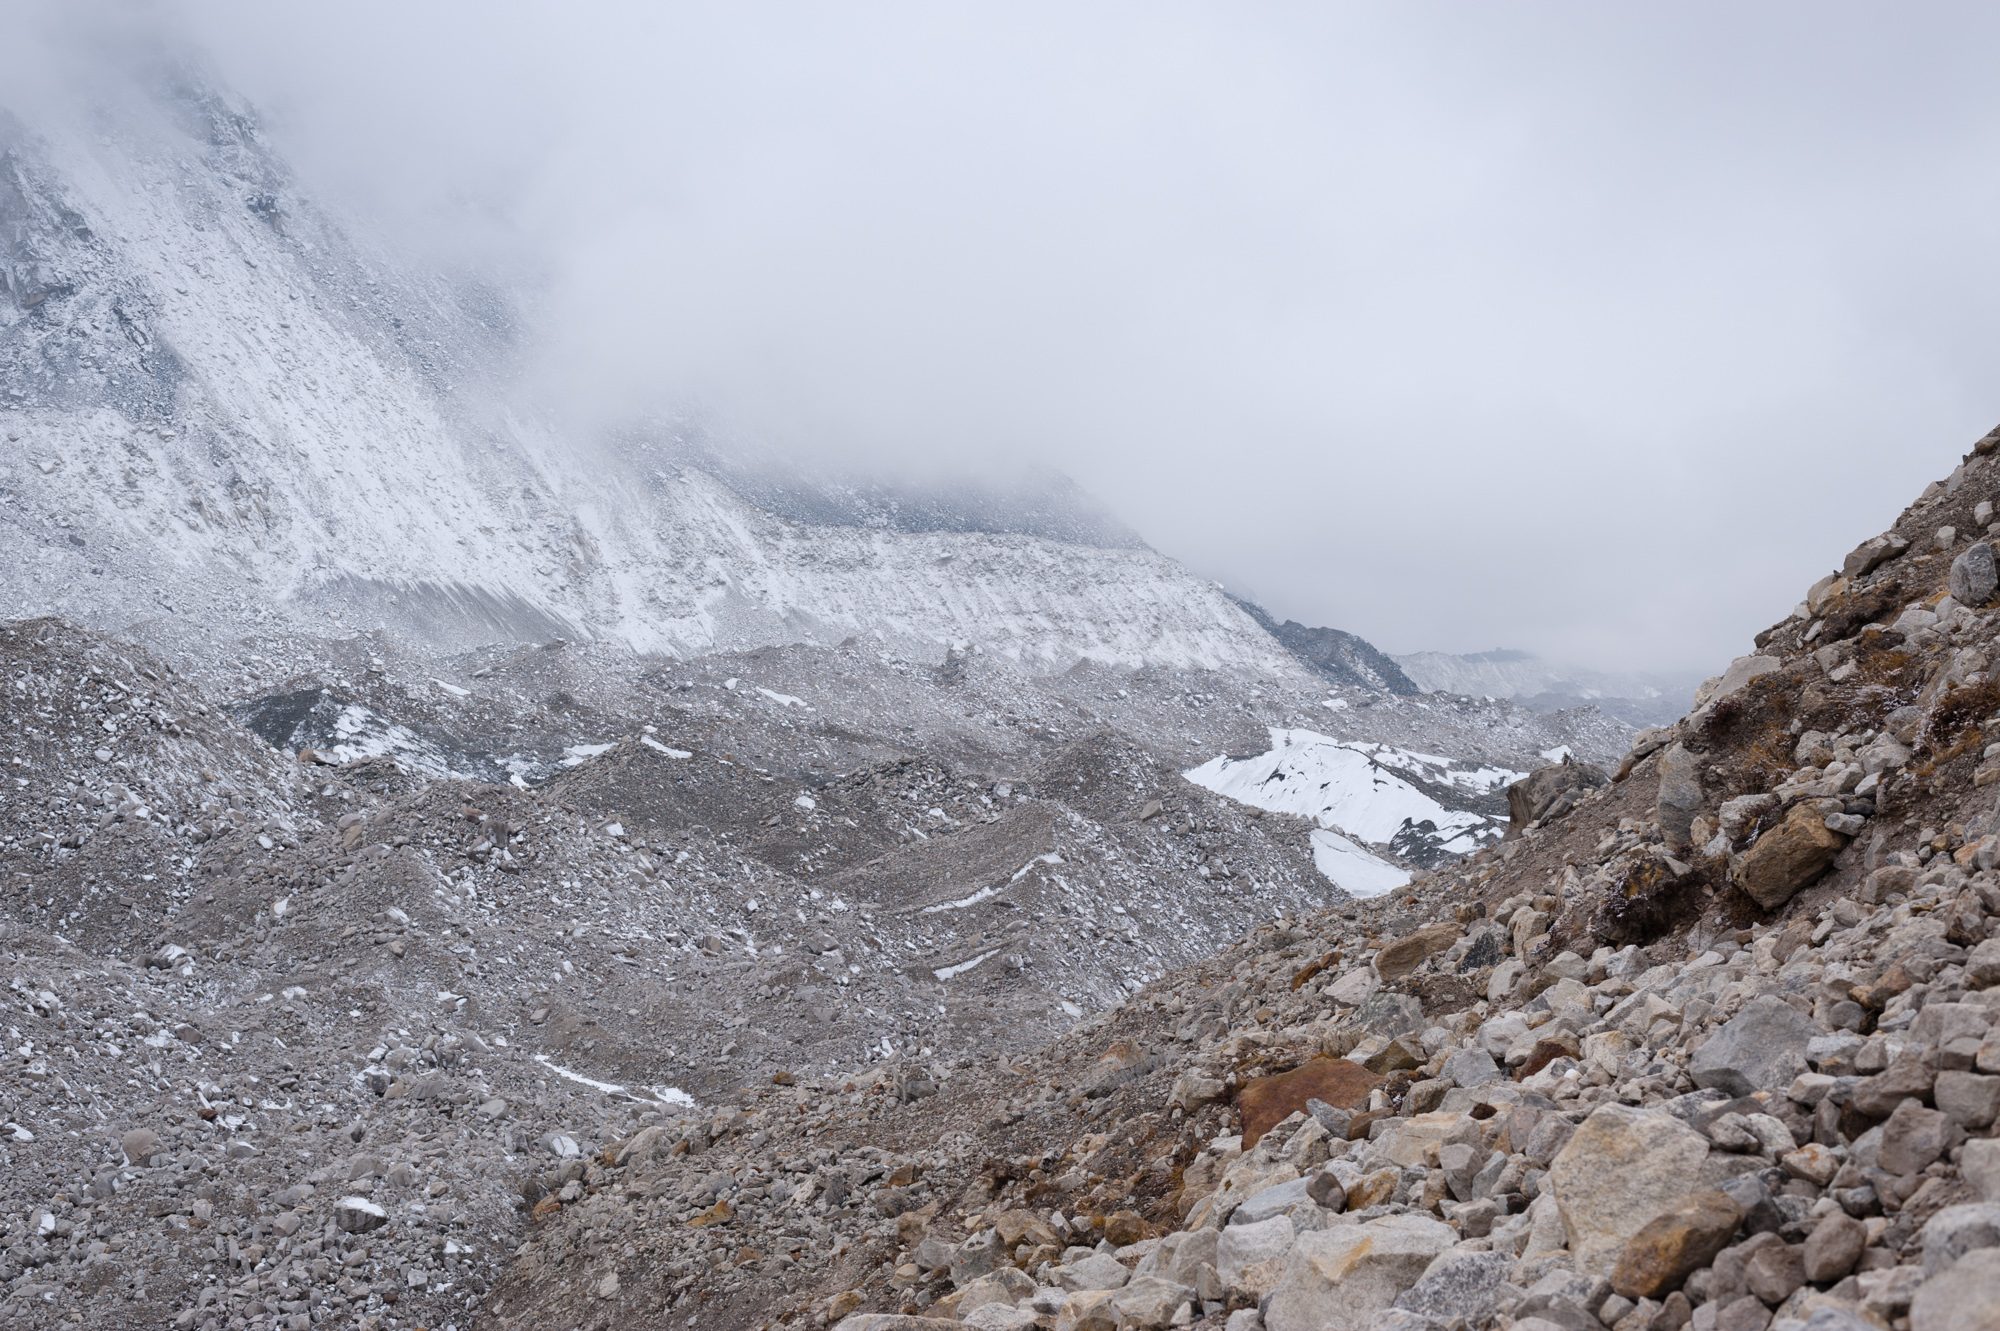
(1336,655)
(1549,792)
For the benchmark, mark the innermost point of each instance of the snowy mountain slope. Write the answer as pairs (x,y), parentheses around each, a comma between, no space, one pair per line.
(1363,795)
(218,407)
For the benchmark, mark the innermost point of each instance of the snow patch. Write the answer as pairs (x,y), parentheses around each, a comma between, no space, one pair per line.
(1353,869)
(783,699)
(1358,790)
(951,972)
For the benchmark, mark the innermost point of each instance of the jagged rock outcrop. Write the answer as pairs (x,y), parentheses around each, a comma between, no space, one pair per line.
(1550,792)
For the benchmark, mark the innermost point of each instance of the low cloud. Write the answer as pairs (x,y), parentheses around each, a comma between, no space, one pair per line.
(1597,330)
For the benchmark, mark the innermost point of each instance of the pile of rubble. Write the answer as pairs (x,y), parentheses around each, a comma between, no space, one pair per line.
(1713,1045)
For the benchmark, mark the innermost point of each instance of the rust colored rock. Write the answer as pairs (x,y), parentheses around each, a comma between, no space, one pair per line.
(1399,958)
(1125,1227)
(1673,1246)
(1268,1101)
(1788,857)
(1312,969)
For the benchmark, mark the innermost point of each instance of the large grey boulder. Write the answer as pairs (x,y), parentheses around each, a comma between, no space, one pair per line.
(1761,1048)
(1341,1279)
(1958,1230)
(1961,1298)
(1458,1284)
(1679,798)
(1975,576)
(1872,553)
(1250,1259)
(1549,792)
(1620,1170)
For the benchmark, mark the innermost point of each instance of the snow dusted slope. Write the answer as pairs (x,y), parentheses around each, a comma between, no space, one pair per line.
(219,411)
(1362,795)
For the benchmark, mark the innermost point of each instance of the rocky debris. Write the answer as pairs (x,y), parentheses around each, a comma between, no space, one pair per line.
(1586,1079)
(416,1064)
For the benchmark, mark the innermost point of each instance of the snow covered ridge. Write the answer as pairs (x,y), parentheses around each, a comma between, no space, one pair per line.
(1363,795)
(223,408)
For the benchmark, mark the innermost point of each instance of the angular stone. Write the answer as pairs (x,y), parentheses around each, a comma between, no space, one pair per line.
(1912,1137)
(975,1256)
(1006,1285)
(1100,1270)
(1979,1164)
(1149,1303)
(1675,1244)
(1961,1298)
(1775,1271)
(1019,1226)
(1957,1230)
(1251,1258)
(1974,576)
(1622,1168)
(1982,966)
(1340,1279)
(1871,554)
(1458,1284)
(358,1215)
(1968,1099)
(1833,1248)
(1472,1068)
(1909,1076)
(1089,1310)
(1549,792)
(1763,1047)
(1396,960)
(1269,1101)
(999,1317)
(1788,857)
(1679,797)
(1275,1200)
(140,1146)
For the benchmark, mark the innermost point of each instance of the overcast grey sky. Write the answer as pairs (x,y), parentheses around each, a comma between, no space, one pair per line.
(1595,329)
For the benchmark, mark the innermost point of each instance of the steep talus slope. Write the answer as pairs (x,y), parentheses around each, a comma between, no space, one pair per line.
(1718,1047)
